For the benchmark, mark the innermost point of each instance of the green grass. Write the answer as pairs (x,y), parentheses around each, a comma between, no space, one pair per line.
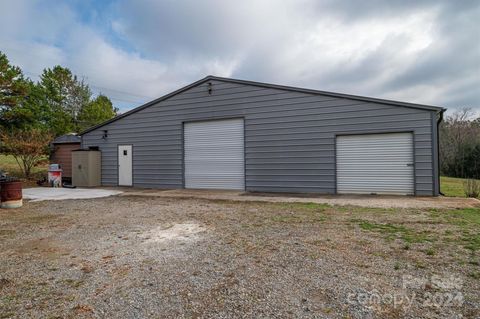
(299,212)
(397,231)
(451,186)
(468,217)
(468,220)
(464,231)
(302,206)
(9,165)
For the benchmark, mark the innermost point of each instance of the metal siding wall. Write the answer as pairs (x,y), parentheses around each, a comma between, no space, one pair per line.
(289,136)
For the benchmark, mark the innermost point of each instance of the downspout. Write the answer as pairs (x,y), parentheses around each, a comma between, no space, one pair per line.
(440,119)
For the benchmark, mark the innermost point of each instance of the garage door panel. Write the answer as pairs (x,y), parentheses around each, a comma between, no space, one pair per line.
(214,154)
(375,163)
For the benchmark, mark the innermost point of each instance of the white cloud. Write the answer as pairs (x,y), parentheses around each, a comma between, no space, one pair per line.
(405,51)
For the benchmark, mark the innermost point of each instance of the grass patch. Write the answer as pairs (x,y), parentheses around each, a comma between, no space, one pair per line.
(302,206)
(6,232)
(475,275)
(382,228)
(397,231)
(467,217)
(452,186)
(471,241)
(73,283)
(467,221)
(287,219)
(298,218)
(9,165)
(359,209)
(296,213)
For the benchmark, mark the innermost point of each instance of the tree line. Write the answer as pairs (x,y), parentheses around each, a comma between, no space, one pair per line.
(460,144)
(58,103)
(33,113)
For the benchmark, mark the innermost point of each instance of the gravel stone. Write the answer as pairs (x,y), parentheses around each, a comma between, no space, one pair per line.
(160,257)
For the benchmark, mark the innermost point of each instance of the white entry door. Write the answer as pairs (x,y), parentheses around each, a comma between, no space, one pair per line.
(375,163)
(214,154)
(125,169)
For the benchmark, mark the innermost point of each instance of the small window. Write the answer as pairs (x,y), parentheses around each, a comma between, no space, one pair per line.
(125,152)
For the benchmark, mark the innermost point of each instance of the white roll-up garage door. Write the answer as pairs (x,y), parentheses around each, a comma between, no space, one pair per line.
(375,163)
(214,154)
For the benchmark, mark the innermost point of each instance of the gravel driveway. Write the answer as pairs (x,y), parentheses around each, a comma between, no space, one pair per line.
(152,257)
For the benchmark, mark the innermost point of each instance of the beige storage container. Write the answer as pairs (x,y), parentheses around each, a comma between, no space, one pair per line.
(86,168)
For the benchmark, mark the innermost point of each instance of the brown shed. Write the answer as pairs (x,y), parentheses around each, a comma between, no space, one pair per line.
(62,148)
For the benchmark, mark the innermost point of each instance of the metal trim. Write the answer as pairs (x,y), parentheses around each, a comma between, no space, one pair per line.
(369,132)
(434,152)
(414,163)
(335,191)
(183,155)
(244,155)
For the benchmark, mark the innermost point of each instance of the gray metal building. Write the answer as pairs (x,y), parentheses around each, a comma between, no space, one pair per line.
(224,133)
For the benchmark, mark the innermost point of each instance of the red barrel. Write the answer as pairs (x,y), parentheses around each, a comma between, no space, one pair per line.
(11,194)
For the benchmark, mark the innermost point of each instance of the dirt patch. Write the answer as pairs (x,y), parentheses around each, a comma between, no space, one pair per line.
(42,246)
(183,232)
(376,201)
(4,282)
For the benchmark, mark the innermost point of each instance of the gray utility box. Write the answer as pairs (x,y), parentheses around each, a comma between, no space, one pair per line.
(86,168)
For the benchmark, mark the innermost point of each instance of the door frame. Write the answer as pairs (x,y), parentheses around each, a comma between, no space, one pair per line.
(118,165)
(371,132)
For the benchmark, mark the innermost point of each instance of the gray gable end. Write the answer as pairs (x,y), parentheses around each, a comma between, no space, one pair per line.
(267,85)
(290,134)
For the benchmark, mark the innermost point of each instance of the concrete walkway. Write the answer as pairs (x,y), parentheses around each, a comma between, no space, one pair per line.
(37,194)
(356,200)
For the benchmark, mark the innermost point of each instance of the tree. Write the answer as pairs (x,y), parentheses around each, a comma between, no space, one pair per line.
(59,102)
(28,147)
(460,145)
(13,90)
(65,95)
(95,112)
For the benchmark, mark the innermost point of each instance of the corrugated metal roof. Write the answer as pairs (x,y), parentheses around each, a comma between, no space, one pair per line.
(67,139)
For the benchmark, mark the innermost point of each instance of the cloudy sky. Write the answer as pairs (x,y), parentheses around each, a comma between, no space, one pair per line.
(136,50)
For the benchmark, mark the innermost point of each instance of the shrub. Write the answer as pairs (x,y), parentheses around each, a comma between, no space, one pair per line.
(472,188)
(28,147)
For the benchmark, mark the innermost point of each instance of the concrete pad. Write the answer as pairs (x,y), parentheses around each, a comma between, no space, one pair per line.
(49,193)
